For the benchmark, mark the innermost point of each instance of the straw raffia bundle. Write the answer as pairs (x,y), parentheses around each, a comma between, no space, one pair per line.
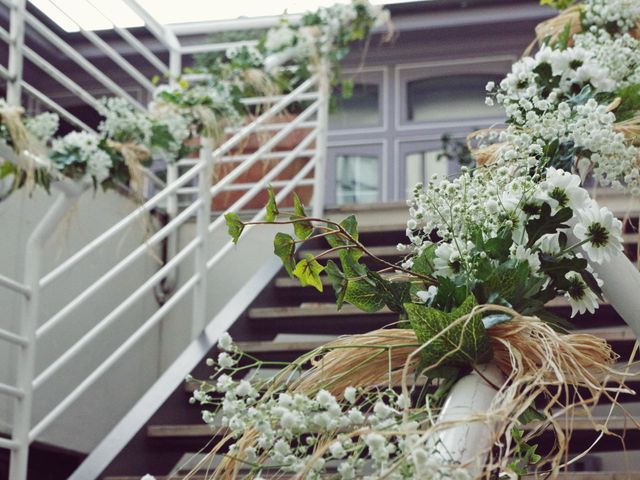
(540,365)
(134,155)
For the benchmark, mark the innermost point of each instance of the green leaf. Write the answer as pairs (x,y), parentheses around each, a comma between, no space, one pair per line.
(303,229)
(463,345)
(284,246)
(308,272)
(394,295)
(547,223)
(362,293)
(271,208)
(531,415)
(234,226)
(350,224)
(161,136)
(423,264)
(338,281)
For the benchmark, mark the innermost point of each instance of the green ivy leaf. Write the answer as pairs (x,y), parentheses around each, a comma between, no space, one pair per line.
(394,295)
(302,229)
(338,281)
(531,415)
(423,264)
(360,293)
(308,272)
(235,226)
(271,208)
(463,345)
(284,246)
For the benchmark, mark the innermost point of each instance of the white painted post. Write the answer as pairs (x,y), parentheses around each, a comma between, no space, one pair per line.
(203,217)
(29,323)
(16,42)
(175,65)
(321,142)
(468,441)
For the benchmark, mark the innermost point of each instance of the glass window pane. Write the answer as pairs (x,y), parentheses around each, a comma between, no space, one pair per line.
(420,166)
(448,98)
(360,110)
(356,179)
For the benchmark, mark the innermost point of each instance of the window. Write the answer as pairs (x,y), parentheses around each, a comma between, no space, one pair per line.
(422,165)
(448,98)
(357,179)
(361,109)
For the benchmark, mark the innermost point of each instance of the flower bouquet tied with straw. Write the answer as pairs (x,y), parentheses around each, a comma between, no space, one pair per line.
(486,252)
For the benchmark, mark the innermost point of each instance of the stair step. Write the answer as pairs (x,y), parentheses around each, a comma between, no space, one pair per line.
(321,309)
(561,476)
(203,430)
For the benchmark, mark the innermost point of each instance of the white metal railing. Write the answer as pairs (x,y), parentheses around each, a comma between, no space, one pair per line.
(189,184)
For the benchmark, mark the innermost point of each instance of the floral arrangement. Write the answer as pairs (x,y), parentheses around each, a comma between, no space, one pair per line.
(486,251)
(127,139)
(574,104)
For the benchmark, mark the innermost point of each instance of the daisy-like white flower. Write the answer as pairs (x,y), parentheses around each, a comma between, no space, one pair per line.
(580,296)
(447,260)
(602,232)
(564,188)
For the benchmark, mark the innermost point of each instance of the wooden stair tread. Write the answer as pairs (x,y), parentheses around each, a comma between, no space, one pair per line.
(619,475)
(320,309)
(204,430)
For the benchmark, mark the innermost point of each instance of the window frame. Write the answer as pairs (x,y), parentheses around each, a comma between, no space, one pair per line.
(407,145)
(407,72)
(363,148)
(378,75)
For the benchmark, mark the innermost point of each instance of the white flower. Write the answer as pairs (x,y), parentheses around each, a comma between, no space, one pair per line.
(523,254)
(549,244)
(279,38)
(225,342)
(579,295)
(601,231)
(427,296)
(43,126)
(564,188)
(337,450)
(245,389)
(350,394)
(225,360)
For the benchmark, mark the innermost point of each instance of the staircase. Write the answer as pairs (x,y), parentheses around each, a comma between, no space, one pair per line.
(286,321)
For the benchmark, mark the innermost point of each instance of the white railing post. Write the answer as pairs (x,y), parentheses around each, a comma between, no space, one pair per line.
(16,42)
(203,217)
(321,143)
(175,65)
(29,324)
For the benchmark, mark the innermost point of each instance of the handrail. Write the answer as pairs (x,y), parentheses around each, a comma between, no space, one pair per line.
(78,59)
(282,104)
(15,286)
(140,47)
(117,268)
(111,360)
(195,177)
(111,53)
(53,71)
(121,225)
(277,138)
(264,181)
(115,313)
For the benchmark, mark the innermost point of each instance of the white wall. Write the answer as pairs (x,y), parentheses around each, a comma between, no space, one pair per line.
(91,417)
